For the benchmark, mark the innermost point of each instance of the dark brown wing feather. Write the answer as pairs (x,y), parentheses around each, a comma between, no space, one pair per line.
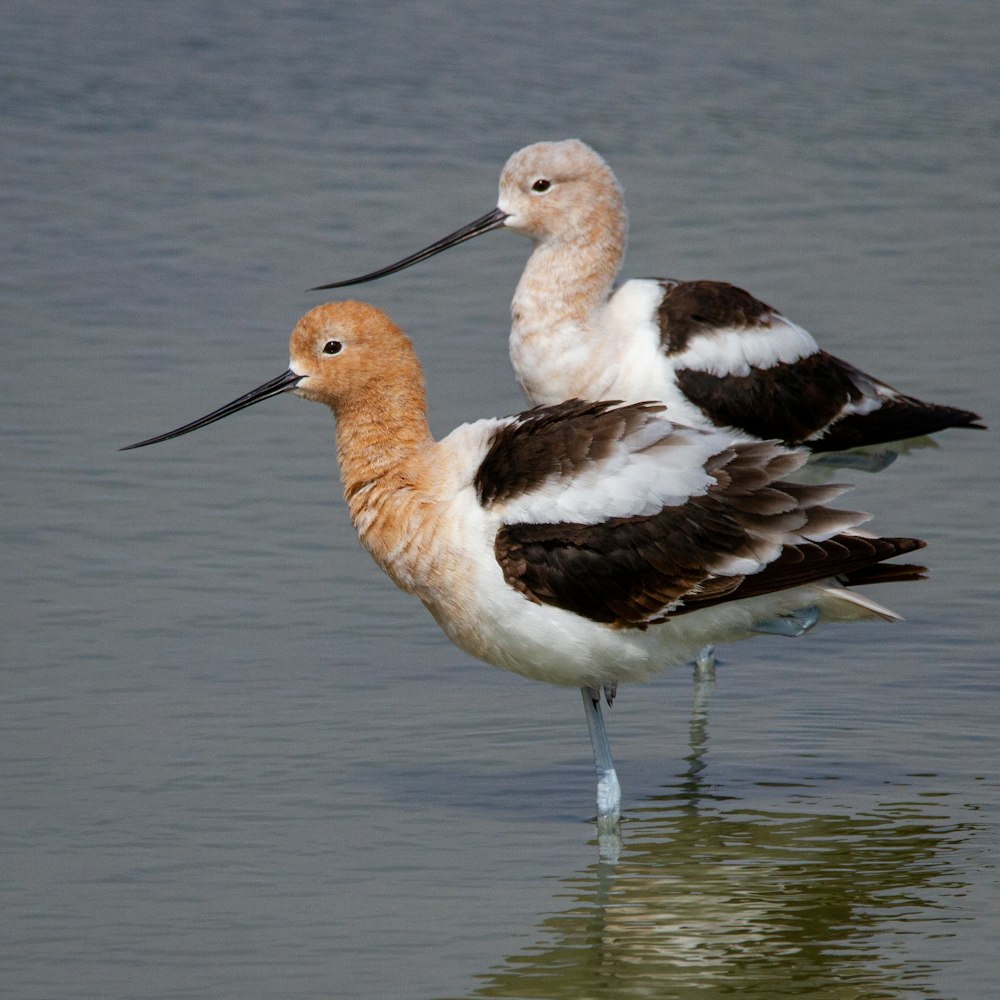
(790,401)
(795,401)
(630,572)
(691,308)
(851,559)
(552,441)
(897,419)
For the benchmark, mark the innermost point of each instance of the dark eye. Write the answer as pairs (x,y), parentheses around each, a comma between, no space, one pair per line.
(541,185)
(333,347)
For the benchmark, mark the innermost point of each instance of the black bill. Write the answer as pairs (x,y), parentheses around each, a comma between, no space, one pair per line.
(283,383)
(485,224)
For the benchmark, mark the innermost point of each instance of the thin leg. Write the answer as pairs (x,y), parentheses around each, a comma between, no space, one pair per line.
(704,679)
(704,664)
(609,793)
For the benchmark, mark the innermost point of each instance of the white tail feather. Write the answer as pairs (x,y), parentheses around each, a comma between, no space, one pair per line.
(841,604)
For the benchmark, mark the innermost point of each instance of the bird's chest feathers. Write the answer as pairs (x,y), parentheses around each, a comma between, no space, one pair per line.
(414,528)
(553,363)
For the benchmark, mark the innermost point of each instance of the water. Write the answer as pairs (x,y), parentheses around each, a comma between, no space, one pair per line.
(237,762)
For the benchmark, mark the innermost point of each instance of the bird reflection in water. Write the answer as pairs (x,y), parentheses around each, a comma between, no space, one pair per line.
(713,895)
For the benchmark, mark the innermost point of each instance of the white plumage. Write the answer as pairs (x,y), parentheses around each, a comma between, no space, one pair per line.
(718,357)
(581,544)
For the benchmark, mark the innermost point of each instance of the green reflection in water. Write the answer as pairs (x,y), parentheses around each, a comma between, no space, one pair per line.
(711,898)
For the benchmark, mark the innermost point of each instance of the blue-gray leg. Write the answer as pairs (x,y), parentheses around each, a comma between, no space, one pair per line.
(609,792)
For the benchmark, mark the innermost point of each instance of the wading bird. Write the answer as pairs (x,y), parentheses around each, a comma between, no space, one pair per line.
(581,543)
(718,357)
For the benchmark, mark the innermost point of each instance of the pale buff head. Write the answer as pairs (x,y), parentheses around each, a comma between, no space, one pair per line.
(561,191)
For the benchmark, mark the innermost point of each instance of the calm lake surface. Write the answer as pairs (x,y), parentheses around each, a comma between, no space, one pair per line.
(237,762)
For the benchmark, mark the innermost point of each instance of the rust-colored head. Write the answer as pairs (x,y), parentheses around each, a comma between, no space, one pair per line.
(346,352)
(348,355)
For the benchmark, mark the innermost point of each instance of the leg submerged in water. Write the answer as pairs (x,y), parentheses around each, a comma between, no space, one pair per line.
(609,794)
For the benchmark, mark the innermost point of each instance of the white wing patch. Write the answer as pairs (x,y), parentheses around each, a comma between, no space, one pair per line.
(725,352)
(658,465)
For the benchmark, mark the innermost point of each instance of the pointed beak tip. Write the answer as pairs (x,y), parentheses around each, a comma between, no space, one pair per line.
(285,382)
(494,219)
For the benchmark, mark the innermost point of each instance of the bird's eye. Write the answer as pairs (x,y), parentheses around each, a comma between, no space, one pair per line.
(541,185)
(333,347)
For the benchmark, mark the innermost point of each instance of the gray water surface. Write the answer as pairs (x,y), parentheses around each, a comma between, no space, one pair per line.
(237,762)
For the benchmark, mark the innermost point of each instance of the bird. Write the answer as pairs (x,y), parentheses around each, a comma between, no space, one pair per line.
(717,356)
(582,543)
